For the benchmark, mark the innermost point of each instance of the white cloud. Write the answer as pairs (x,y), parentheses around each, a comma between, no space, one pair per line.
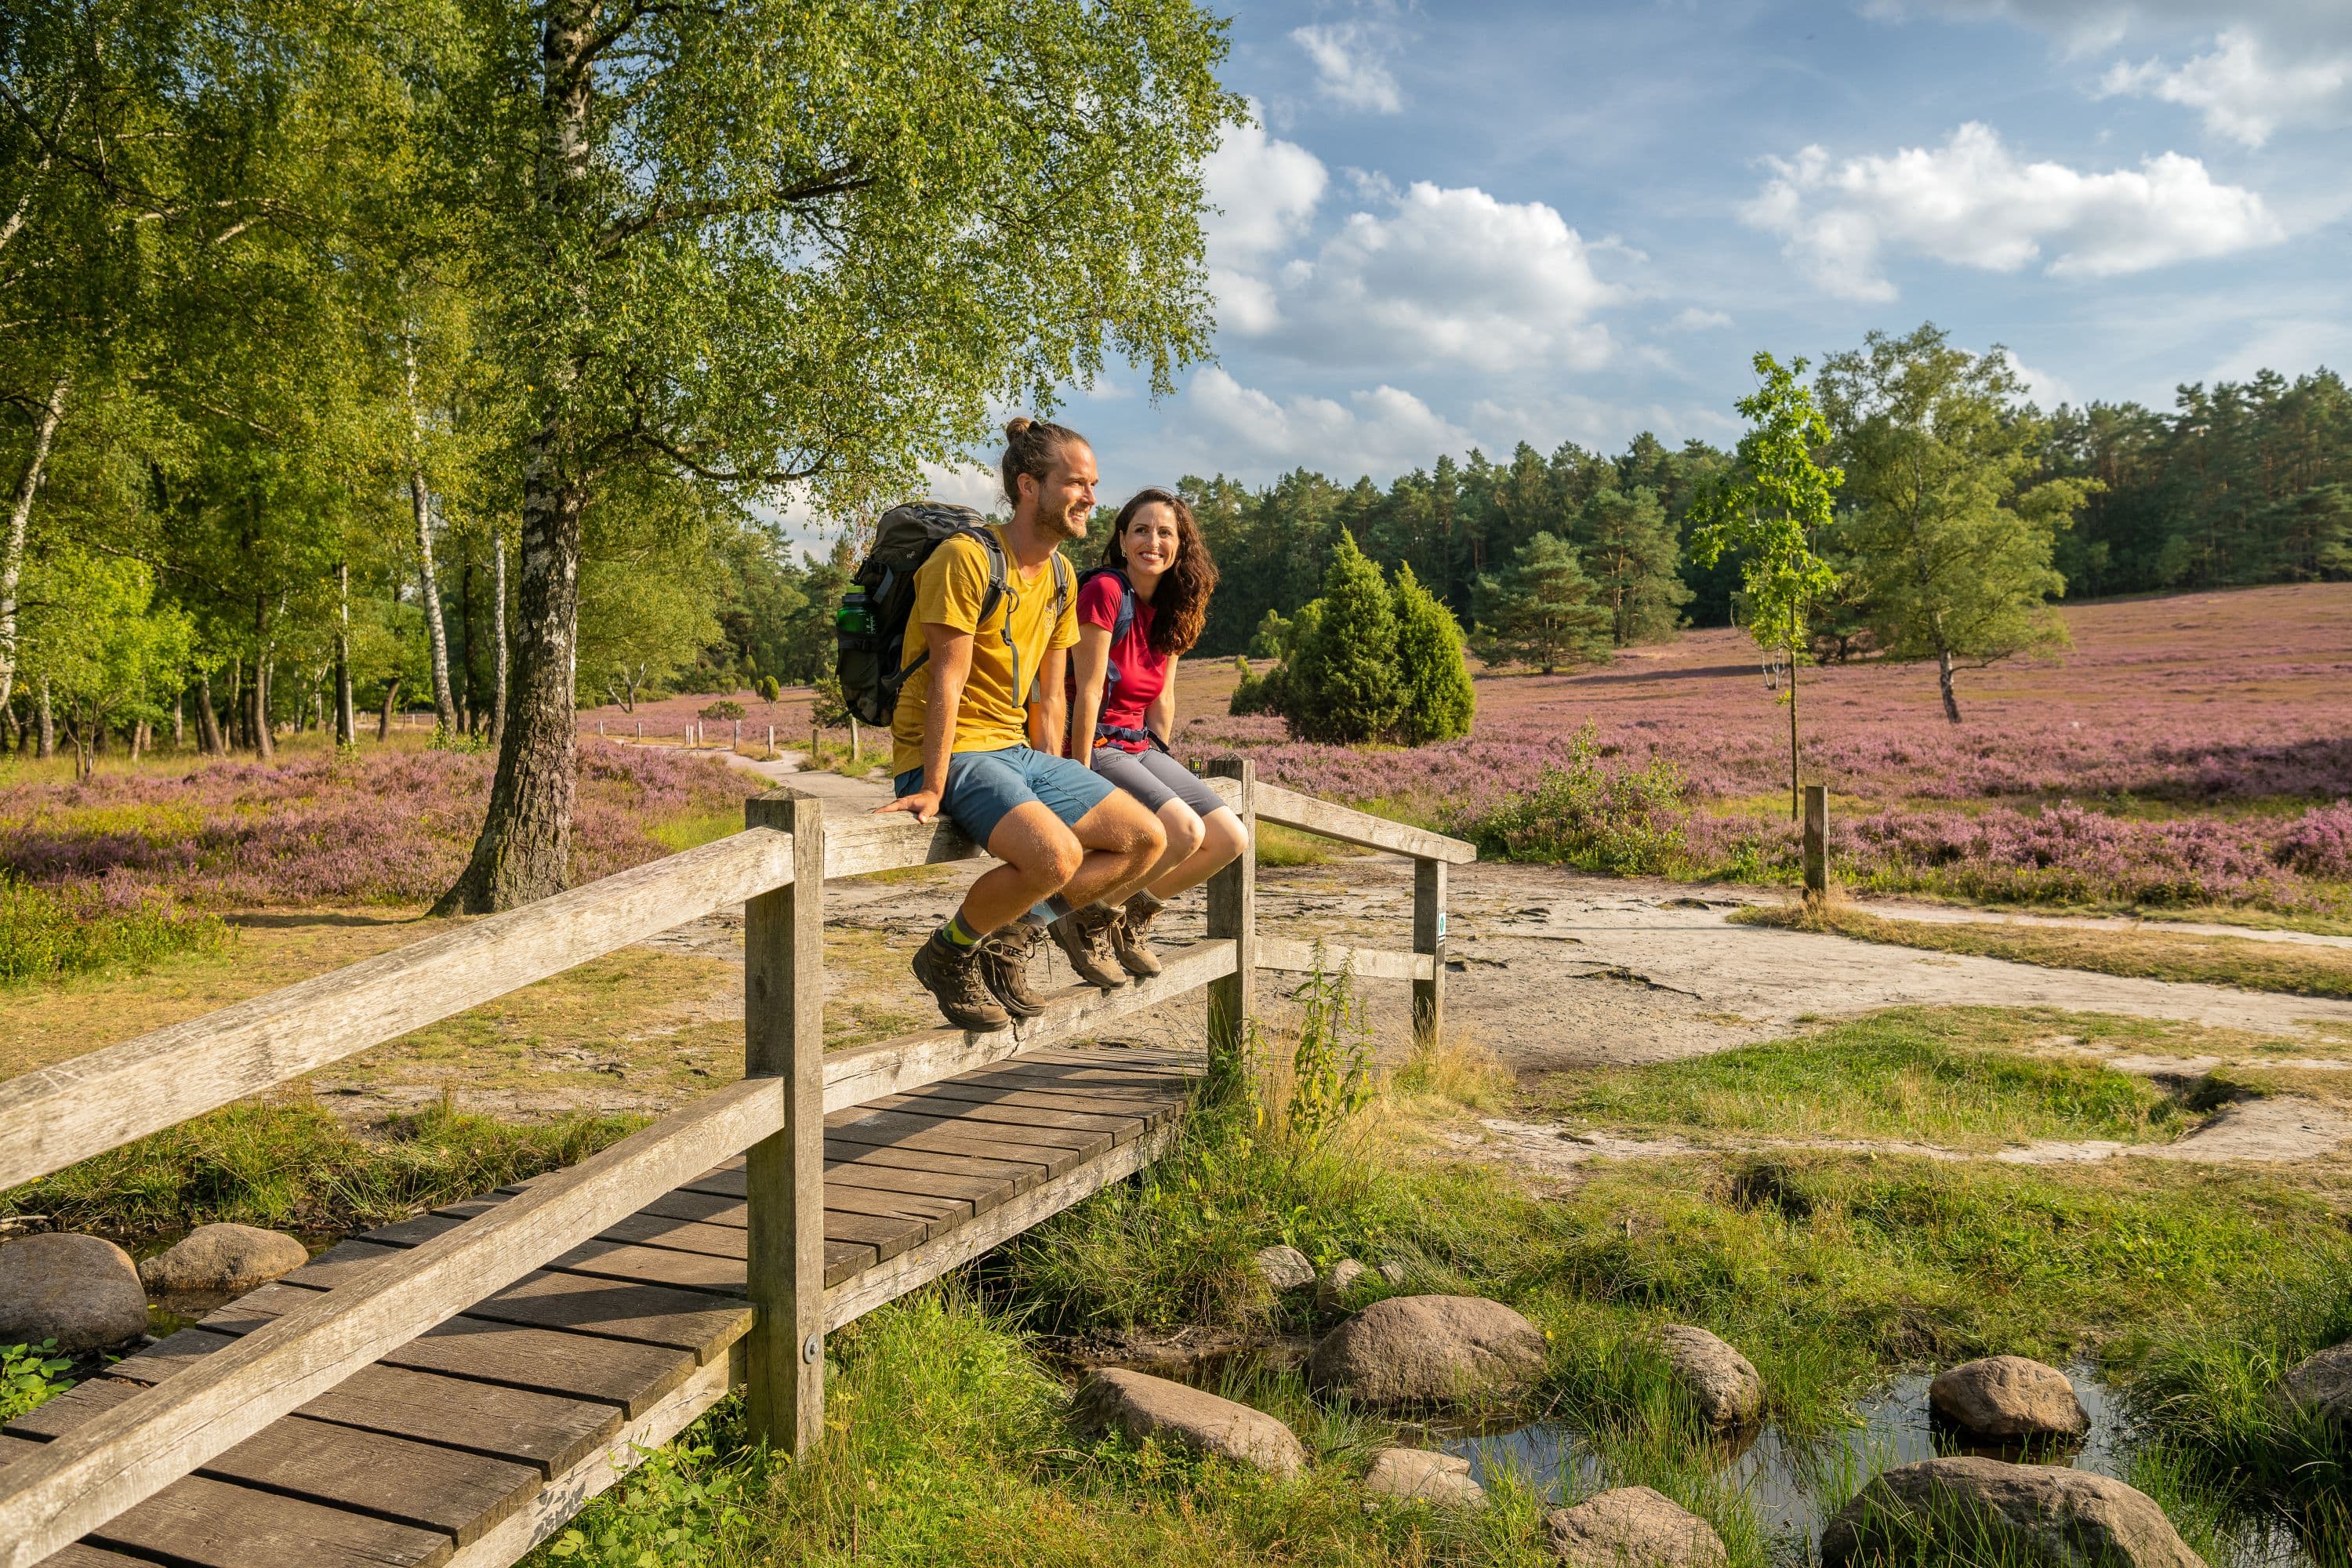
(1347,66)
(2244,91)
(2047,390)
(1445,276)
(1383,432)
(974,485)
(2082,26)
(1695,319)
(1972,203)
(1263,192)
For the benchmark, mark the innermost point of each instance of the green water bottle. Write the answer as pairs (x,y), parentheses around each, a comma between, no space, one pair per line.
(855,614)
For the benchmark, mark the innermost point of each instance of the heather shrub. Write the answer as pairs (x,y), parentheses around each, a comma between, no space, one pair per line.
(2319,843)
(1628,821)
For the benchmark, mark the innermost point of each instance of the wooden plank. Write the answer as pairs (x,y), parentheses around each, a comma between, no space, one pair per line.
(861,845)
(56,1115)
(612,1310)
(1369,962)
(1232,896)
(546,1514)
(198,1523)
(1429,948)
(426,1484)
(630,1376)
(703,1273)
(910,1126)
(135,1449)
(80,1556)
(1023,1173)
(1329,819)
(1013,1110)
(1089,1099)
(896,1276)
(783,1037)
(544,1430)
(977,1193)
(896,1131)
(864,1073)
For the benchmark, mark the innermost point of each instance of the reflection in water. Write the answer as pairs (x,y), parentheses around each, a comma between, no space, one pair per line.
(1792,1485)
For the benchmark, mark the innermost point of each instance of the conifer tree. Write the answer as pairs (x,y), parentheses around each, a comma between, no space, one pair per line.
(1542,610)
(1438,701)
(1629,547)
(1344,685)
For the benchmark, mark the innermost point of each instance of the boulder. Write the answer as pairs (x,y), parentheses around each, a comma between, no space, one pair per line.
(1338,1281)
(1283,1268)
(82,1291)
(2323,1384)
(1183,1416)
(1428,1350)
(2008,1397)
(1720,1381)
(233,1257)
(2026,1516)
(1633,1527)
(1424,1475)
(1391,1275)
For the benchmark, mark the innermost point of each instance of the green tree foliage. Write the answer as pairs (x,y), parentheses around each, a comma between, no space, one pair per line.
(1949,528)
(97,642)
(1344,680)
(1624,539)
(1769,508)
(1438,702)
(1542,610)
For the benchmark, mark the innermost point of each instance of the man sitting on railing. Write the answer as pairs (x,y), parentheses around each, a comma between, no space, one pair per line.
(963,738)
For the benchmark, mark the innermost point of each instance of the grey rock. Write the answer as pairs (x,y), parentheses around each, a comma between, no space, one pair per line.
(1429,1350)
(1283,1267)
(1720,1381)
(80,1290)
(2009,1396)
(1338,1281)
(1424,1475)
(2323,1384)
(1391,1275)
(1633,1527)
(1144,1406)
(234,1258)
(2032,1516)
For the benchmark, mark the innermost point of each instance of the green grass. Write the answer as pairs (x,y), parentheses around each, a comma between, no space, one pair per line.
(292,1166)
(1280,846)
(2296,969)
(696,829)
(46,936)
(1951,1077)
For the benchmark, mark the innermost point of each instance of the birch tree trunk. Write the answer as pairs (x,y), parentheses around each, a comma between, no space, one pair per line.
(437,636)
(20,516)
(1944,681)
(498,635)
(383,720)
(179,720)
(347,719)
(49,746)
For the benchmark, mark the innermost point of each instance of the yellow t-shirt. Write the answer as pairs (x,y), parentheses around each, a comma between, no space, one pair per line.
(949,591)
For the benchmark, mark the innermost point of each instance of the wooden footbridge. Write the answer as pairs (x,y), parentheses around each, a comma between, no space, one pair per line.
(450,1390)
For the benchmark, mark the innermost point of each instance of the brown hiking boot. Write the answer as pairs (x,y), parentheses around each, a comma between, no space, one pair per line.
(1085,938)
(1004,965)
(1127,943)
(951,974)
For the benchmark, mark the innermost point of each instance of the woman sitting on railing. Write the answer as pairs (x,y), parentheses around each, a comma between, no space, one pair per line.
(1138,613)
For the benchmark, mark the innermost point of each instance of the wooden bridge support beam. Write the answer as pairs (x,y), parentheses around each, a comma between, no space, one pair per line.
(1429,940)
(783,1036)
(1233,914)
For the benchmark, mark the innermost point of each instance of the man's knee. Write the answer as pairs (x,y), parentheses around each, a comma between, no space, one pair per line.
(1121,826)
(1039,847)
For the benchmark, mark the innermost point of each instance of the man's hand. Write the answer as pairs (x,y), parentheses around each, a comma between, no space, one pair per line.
(923,803)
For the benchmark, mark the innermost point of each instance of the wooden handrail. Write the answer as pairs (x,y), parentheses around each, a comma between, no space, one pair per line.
(1329,819)
(56,1115)
(129,1453)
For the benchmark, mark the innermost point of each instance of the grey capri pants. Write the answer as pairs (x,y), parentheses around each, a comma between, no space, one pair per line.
(1155,778)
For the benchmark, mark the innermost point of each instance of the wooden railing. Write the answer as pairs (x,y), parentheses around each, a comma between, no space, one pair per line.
(776,868)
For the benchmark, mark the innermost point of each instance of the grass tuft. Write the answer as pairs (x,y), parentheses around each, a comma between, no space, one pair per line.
(48,935)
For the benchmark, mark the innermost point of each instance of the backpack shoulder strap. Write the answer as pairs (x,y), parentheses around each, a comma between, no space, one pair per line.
(994,547)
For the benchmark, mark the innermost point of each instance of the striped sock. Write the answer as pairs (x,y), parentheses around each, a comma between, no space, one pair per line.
(959,934)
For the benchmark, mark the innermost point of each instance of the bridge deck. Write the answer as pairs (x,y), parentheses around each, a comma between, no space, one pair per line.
(478,1438)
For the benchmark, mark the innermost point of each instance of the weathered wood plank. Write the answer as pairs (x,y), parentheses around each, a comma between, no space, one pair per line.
(1022,1172)
(56,1115)
(704,1273)
(860,844)
(1232,896)
(1329,819)
(1017,1110)
(925,1134)
(203,1523)
(913,1127)
(1369,962)
(426,1485)
(615,1309)
(135,1449)
(1429,948)
(864,1073)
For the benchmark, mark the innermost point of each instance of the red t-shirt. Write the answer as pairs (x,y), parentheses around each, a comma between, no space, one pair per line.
(1142,674)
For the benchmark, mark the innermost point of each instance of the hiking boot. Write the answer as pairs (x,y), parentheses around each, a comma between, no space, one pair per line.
(1004,965)
(1085,938)
(953,975)
(1127,942)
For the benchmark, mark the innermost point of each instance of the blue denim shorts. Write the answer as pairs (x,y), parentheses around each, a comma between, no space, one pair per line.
(983,786)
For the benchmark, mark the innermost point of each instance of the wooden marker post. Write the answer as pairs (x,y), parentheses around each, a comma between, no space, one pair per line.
(783,1036)
(1233,913)
(1429,940)
(1817,841)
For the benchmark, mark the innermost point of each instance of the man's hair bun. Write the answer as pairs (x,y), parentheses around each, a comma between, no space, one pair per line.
(1017,426)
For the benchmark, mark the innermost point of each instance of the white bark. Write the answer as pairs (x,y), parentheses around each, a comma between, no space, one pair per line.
(20,516)
(420,500)
(497,634)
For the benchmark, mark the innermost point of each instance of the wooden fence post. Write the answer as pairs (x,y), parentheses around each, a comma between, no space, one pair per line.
(1817,841)
(1429,940)
(1233,912)
(783,1036)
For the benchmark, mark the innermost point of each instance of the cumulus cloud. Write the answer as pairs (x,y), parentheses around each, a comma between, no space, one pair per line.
(1972,203)
(2245,90)
(1695,319)
(1348,68)
(2082,26)
(1263,191)
(1383,432)
(2047,390)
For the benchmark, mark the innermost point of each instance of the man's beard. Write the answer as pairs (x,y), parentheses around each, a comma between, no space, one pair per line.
(1072,522)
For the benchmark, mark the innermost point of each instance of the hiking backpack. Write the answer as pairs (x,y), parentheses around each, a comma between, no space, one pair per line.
(870,630)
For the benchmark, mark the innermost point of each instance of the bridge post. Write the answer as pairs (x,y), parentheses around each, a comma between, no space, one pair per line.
(1429,940)
(1233,912)
(783,1036)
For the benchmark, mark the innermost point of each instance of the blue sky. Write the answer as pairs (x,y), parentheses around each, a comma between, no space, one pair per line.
(1479,223)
